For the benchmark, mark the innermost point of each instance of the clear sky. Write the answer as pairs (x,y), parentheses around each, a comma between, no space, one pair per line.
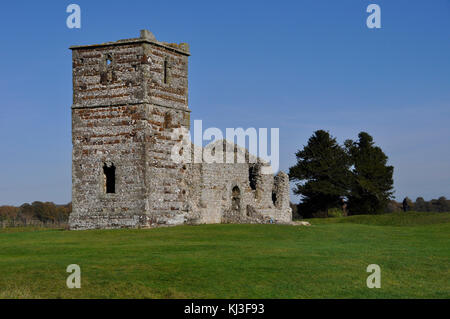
(297,65)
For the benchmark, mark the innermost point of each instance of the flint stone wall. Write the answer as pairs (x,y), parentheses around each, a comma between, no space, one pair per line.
(130,107)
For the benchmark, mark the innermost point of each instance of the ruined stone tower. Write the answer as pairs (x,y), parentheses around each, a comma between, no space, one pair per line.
(127,96)
(130,100)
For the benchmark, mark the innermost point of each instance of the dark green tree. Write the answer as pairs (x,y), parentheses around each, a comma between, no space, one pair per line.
(372,182)
(443,204)
(321,174)
(420,205)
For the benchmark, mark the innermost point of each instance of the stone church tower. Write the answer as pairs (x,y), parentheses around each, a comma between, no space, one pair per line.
(128,95)
(130,111)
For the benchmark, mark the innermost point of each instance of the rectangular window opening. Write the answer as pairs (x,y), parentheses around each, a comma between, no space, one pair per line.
(165,71)
(110,178)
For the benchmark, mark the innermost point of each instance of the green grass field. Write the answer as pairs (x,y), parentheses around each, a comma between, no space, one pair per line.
(326,260)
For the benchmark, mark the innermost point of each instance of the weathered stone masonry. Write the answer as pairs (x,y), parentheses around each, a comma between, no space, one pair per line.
(129,97)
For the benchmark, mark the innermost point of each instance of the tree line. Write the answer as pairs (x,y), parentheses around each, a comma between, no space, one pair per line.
(442,204)
(45,212)
(352,178)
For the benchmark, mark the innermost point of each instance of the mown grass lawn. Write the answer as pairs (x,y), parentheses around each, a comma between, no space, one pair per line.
(326,260)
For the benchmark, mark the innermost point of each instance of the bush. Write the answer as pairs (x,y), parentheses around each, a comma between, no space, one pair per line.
(336,212)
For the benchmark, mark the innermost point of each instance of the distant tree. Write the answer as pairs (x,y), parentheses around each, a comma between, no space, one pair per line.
(63,212)
(26,213)
(43,211)
(393,207)
(430,207)
(8,212)
(443,204)
(372,182)
(420,205)
(321,174)
(37,211)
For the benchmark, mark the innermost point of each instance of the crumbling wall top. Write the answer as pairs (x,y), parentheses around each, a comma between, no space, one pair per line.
(145,37)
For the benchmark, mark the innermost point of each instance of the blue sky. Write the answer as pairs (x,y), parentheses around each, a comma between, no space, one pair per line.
(296,65)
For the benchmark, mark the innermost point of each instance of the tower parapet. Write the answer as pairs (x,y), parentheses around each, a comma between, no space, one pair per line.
(131,71)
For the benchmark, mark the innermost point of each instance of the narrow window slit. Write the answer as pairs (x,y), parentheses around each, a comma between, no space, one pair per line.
(252,177)
(110,178)
(165,72)
(274,198)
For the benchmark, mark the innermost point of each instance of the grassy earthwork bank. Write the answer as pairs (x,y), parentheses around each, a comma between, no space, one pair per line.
(325,260)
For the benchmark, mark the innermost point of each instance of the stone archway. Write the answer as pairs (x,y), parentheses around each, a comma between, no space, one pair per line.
(236,199)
